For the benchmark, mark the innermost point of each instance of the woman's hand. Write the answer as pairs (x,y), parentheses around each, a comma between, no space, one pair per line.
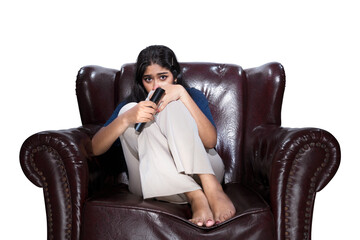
(173,92)
(105,137)
(142,112)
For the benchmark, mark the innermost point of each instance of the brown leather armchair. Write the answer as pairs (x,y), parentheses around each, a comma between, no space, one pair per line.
(272,173)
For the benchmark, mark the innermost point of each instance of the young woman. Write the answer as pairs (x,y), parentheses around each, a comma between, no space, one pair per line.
(173,158)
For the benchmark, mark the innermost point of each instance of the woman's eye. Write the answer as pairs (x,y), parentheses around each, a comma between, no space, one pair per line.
(163,77)
(147,79)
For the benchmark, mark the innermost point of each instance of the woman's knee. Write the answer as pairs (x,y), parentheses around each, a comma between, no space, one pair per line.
(175,110)
(178,116)
(176,105)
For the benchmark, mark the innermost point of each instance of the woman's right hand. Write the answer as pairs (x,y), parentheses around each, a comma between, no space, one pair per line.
(142,112)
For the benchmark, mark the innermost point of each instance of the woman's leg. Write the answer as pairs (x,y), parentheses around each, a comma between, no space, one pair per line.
(152,172)
(190,156)
(159,175)
(129,143)
(181,132)
(162,174)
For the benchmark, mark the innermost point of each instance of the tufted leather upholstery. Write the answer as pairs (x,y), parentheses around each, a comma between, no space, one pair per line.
(272,173)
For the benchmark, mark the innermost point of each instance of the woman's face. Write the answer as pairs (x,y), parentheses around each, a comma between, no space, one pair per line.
(156,76)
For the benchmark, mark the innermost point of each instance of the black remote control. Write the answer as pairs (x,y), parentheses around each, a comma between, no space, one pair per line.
(159,92)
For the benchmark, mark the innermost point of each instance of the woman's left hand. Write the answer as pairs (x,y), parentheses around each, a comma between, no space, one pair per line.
(173,92)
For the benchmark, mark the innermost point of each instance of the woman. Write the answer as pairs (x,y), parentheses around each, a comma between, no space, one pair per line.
(173,158)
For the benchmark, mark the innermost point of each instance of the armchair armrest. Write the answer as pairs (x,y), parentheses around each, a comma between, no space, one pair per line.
(57,161)
(294,164)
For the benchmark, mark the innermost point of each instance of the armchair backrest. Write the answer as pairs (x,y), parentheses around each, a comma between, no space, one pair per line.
(100,90)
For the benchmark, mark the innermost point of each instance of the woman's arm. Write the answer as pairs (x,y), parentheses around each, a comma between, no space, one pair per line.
(207,131)
(106,136)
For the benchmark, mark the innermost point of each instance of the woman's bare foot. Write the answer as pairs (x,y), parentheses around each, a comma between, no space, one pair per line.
(202,214)
(220,204)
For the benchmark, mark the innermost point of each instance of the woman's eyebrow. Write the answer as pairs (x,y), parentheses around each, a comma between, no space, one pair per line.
(161,73)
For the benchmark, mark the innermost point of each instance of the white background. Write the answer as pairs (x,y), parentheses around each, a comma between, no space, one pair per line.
(44,43)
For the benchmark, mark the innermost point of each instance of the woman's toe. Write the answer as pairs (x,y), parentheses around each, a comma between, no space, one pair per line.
(210,223)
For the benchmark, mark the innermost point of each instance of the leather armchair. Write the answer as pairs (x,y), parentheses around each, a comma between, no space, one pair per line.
(272,173)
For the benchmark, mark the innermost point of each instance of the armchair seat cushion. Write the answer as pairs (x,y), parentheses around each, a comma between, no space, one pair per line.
(118,214)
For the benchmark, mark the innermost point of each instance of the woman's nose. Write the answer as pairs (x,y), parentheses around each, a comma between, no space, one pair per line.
(156,85)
